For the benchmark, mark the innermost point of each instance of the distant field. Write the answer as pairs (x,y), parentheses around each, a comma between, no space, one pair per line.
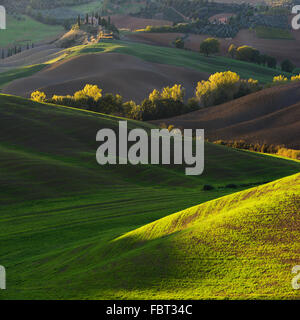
(273,33)
(128,8)
(60,210)
(27,29)
(70,12)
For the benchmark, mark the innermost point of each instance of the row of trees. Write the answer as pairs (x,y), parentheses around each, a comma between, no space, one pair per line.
(245,53)
(170,101)
(250,54)
(280,150)
(95,19)
(5,53)
(193,17)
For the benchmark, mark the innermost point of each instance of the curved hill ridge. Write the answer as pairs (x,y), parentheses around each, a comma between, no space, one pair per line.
(219,208)
(127,75)
(242,245)
(269,116)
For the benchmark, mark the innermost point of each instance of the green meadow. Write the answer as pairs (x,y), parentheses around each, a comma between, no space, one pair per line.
(71,229)
(20,31)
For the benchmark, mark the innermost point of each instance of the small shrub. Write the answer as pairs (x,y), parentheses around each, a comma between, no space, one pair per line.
(207,187)
(295,78)
(179,43)
(231,186)
(287,66)
(280,79)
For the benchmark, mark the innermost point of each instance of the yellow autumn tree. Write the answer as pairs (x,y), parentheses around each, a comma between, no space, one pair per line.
(220,87)
(154,95)
(175,93)
(295,78)
(38,96)
(89,91)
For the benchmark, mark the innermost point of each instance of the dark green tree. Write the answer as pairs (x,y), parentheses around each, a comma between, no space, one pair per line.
(271,62)
(287,65)
(210,46)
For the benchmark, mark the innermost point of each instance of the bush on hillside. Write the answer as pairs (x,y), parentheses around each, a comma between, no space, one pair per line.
(295,78)
(179,43)
(207,187)
(280,79)
(247,53)
(287,66)
(232,51)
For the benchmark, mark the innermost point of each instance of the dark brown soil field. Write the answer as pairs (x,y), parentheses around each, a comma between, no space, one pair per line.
(162,39)
(115,73)
(270,116)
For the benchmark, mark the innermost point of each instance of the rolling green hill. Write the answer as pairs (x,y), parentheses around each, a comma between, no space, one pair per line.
(60,210)
(240,246)
(156,54)
(182,58)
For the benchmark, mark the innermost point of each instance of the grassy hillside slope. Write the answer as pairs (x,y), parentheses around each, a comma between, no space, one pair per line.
(60,209)
(240,246)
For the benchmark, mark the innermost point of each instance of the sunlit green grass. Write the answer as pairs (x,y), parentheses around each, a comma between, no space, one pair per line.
(61,212)
(242,246)
(22,72)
